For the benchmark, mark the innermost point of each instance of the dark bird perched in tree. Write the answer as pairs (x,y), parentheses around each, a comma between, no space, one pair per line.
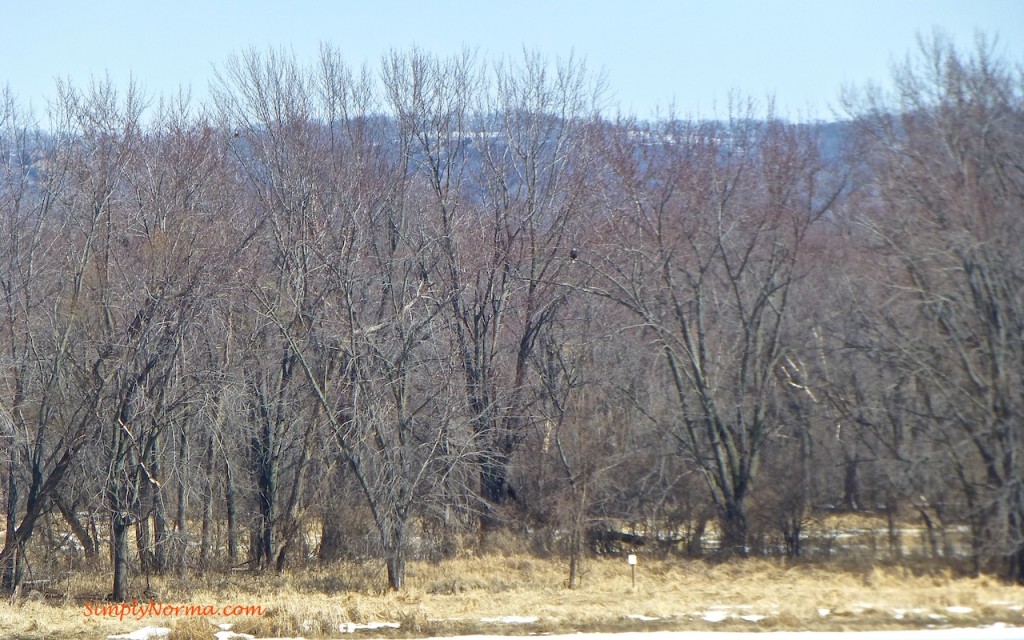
(573,254)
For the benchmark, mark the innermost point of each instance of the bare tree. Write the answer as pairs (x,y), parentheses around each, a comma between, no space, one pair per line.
(521,148)
(704,249)
(946,154)
(75,181)
(268,102)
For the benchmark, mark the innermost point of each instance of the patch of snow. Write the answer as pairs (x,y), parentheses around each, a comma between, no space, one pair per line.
(753,617)
(899,614)
(960,610)
(991,632)
(824,612)
(226,626)
(145,633)
(641,618)
(352,627)
(512,620)
(714,616)
(1015,607)
(383,625)
(231,635)
(974,633)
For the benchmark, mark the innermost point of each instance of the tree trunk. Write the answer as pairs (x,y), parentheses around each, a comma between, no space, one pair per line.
(266,496)
(120,522)
(204,542)
(575,557)
(286,537)
(160,529)
(165,542)
(81,532)
(932,540)
(332,537)
(803,495)
(393,543)
(144,542)
(1015,566)
(734,529)
(263,551)
(396,567)
(895,537)
(695,541)
(144,504)
(11,568)
(1013,570)
(495,488)
(161,532)
(851,483)
(230,507)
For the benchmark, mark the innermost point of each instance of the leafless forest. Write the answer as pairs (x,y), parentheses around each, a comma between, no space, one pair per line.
(381,313)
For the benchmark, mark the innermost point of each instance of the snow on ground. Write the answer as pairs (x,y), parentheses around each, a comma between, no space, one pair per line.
(960,610)
(230,635)
(512,620)
(352,627)
(722,612)
(993,632)
(712,614)
(145,633)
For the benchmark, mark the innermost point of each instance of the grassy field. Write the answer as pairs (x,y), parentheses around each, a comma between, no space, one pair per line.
(472,594)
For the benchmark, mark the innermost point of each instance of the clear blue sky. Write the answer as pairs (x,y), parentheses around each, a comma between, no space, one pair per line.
(655,52)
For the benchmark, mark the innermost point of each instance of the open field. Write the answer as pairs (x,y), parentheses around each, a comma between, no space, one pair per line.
(520,594)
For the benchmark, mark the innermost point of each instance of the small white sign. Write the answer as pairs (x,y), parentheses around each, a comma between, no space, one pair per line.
(631,559)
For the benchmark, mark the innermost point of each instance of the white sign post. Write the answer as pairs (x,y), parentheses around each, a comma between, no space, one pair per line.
(631,559)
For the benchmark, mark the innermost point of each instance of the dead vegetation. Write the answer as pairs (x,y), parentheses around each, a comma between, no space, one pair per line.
(521,594)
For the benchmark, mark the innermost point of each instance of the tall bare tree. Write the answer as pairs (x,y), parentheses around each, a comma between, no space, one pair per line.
(946,152)
(704,248)
(520,147)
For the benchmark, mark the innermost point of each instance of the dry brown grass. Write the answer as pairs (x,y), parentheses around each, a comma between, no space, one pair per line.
(452,597)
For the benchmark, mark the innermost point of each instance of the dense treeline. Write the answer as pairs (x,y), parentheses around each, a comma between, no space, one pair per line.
(366,313)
